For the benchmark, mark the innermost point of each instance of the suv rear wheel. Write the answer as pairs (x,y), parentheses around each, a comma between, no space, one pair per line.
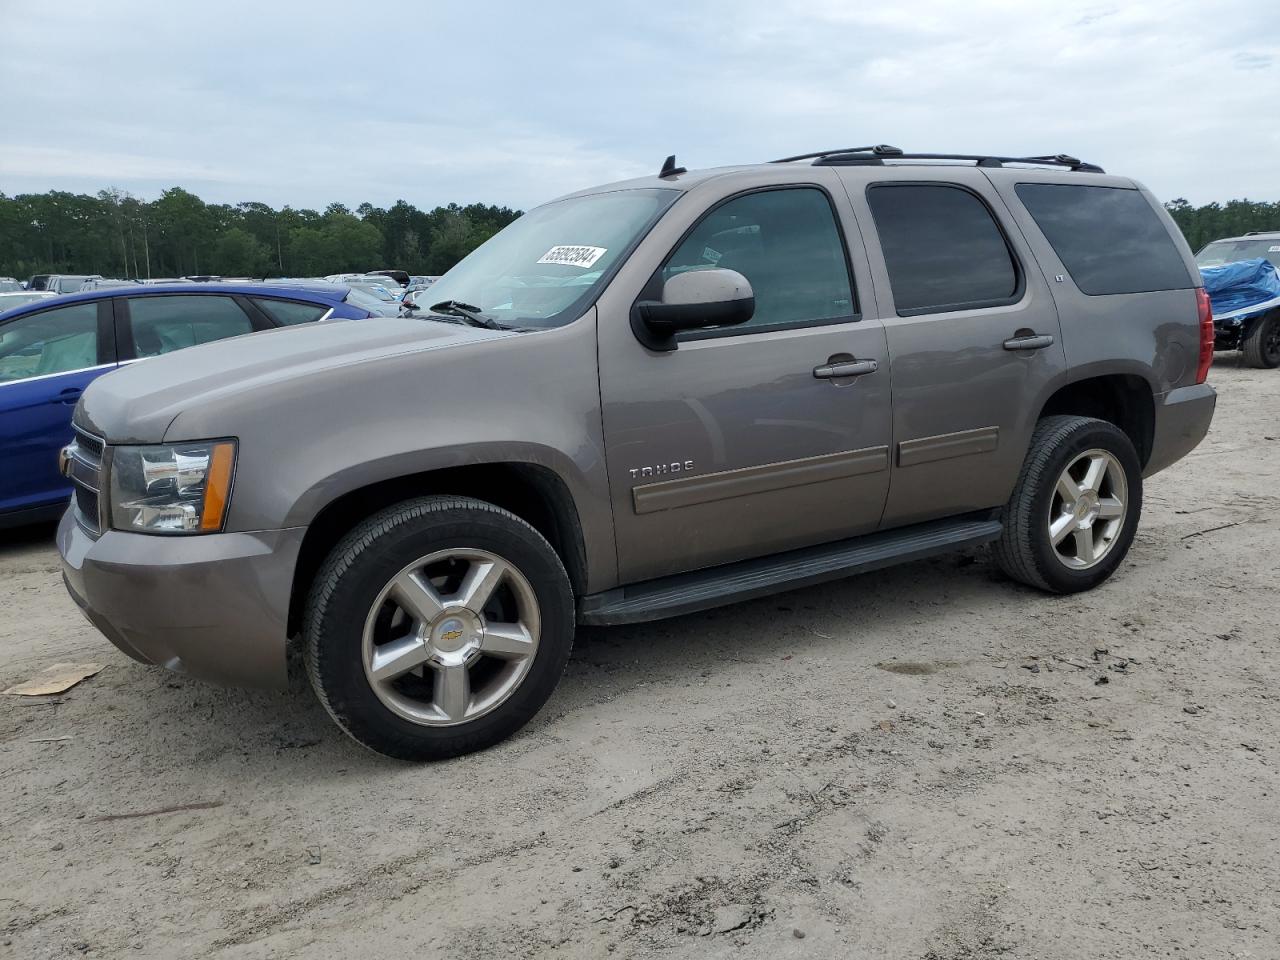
(1075,509)
(438,627)
(1261,347)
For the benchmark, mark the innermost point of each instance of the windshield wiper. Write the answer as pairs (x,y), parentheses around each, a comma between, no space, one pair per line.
(467,312)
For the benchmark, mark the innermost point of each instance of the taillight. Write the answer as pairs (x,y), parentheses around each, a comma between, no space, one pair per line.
(1206,335)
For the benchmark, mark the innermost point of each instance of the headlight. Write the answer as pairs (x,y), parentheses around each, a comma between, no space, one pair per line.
(172,488)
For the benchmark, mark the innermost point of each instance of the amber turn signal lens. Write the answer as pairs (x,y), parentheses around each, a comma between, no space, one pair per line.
(217,487)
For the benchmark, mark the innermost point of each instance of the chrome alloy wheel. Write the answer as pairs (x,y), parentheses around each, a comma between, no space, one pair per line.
(1088,509)
(451,637)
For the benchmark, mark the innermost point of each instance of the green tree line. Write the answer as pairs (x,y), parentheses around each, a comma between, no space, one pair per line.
(1213,221)
(178,234)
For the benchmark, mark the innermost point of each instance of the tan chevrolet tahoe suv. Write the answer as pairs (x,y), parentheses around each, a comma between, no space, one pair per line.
(637,401)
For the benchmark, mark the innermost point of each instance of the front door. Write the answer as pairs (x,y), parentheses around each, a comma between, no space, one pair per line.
(972,330)
(46,361)
(750,440)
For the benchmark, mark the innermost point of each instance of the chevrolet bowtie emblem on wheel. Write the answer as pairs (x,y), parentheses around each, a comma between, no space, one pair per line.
(451,635)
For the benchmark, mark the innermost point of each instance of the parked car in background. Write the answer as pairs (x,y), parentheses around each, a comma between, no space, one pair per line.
(401,277)
(19,298)
(62,283)
(9,285)
(50,351)
(380,289)
(38,282)
(1246,299)
(105,284)
(643,400)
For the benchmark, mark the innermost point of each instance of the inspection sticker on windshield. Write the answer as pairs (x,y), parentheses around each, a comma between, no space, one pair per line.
(573,256)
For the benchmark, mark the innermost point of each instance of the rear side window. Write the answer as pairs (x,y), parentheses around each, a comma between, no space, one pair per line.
(289,312)
(943,249)
(1108,238)
(164,324)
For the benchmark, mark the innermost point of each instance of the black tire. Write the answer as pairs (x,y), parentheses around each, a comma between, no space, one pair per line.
(1261,348)
(1024,551)
(366,559)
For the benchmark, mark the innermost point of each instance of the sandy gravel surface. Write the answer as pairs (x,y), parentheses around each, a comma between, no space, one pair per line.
(927,762)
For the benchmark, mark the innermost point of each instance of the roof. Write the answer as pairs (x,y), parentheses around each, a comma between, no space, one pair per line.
(677,178)
(330,293)
(1251,235)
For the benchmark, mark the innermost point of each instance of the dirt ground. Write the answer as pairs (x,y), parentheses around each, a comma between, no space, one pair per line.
(927,762)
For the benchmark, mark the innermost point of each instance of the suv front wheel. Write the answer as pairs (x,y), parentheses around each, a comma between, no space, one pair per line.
(1075,509)
(438,627)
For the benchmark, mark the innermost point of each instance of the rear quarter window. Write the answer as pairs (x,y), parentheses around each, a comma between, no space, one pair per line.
(1108,238)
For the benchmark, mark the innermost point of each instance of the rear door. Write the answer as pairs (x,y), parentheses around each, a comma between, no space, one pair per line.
(972,331)
(46,361)
(748,440)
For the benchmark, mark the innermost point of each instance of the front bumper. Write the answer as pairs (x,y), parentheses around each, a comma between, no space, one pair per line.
(213,606)
(1182,420)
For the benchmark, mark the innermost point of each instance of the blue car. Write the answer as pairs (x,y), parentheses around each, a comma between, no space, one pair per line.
(51,350)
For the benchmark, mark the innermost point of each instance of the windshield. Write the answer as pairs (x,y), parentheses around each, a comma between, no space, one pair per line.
(366,301)
(1230,251)
(376,290)
(542,269)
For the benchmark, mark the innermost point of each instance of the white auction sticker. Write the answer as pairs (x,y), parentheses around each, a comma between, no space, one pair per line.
(573,256)
(1274,250)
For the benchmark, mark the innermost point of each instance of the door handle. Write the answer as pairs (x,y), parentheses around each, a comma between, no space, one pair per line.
(1031,342)
(847,368)
(69,395)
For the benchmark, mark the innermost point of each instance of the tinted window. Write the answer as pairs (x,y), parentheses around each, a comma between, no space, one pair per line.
(56,341)
(289,312)
(943,249)
(1108,238)
(785,242)
(164,324)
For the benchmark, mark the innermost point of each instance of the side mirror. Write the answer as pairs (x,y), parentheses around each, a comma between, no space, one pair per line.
(694,301)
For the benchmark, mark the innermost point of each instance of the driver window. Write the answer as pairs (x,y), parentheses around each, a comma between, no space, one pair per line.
(787,244)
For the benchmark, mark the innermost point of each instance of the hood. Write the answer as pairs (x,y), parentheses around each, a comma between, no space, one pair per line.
(138,402)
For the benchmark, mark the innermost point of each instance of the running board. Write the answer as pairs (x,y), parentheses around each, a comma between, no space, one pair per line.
(716,586)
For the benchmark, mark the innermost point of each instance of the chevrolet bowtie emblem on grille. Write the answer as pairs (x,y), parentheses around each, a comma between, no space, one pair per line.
(661,469)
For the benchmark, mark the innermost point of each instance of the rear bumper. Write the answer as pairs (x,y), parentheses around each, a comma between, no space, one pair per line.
(1182,420)
(215,606)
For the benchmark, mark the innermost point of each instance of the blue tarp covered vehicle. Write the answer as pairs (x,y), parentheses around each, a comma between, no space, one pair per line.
(1246,308)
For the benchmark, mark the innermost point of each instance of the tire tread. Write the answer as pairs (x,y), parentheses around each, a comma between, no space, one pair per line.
(327,579)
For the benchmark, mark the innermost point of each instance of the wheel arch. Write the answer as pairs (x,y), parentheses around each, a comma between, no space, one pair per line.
(1125,399)
(533,492)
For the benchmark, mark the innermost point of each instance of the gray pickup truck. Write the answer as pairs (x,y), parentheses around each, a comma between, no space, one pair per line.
(640,400)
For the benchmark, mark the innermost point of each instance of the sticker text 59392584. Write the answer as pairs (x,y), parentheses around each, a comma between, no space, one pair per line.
(573,256)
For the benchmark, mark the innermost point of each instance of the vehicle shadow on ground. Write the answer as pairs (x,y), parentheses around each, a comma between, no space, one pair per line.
(145,710)
(19,540)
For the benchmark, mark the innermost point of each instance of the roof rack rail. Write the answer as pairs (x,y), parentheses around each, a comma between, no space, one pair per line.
(876,156)
(880,150)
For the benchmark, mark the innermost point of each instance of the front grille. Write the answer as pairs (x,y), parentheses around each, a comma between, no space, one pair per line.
(90,444)
(85,472)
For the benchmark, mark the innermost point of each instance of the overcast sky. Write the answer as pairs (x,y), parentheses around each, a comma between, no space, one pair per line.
(517,102)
